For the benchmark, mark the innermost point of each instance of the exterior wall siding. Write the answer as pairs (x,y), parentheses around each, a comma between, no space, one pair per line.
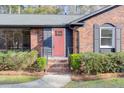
(114,16)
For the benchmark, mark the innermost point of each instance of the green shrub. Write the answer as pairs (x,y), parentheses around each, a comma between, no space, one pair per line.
(26,59)
(12,60)
(4,66)
(117,62)
(75,61)
(41,62)
(93,63)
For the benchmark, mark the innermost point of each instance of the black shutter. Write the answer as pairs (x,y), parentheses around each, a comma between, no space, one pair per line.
(96,38)
(118,39)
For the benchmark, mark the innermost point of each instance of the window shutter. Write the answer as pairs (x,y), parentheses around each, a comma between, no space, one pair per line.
(118,39)
(96,38)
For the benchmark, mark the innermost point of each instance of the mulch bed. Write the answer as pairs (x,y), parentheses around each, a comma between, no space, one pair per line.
(21,73)
(96,77)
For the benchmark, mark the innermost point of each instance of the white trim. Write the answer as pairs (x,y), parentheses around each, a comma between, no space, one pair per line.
(64,42)
(106,47)
(52,41)
(113,37)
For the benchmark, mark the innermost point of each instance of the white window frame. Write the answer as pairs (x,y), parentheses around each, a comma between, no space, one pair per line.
(113,37)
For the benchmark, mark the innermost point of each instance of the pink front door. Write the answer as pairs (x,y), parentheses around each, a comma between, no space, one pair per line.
(58,42)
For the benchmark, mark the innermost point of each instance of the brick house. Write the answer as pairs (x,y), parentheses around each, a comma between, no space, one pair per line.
(60,35)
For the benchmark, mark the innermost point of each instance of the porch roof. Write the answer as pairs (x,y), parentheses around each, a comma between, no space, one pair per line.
(35,20)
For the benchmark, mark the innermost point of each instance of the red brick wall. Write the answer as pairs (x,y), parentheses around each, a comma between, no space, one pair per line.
(36,39)
(114,16)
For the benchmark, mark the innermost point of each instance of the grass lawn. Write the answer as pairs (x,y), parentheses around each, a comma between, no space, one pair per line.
(109,83)
(4,79)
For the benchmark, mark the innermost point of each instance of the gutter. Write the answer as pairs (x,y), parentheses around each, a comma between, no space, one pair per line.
(72,26)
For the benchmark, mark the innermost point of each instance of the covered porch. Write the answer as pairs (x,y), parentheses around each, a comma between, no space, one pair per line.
(52,42)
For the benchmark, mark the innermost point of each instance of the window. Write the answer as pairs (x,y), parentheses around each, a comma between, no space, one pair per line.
(107,37)
(58,33)
(14,39)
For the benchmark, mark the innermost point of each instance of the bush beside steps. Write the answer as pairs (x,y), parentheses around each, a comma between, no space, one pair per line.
(21,61)
(94,63)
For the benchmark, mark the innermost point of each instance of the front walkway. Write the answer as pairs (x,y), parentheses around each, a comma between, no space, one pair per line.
(48,81)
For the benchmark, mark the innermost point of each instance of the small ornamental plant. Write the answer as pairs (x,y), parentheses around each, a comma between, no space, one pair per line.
(41,62)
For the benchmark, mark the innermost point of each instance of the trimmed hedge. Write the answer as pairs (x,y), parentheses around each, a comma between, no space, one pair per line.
(26,61)
(93,63)
(17,60)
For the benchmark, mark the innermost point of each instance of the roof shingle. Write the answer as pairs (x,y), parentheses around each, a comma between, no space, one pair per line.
(33,19)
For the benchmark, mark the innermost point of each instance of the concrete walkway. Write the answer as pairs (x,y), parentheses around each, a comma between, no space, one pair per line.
(48,81)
